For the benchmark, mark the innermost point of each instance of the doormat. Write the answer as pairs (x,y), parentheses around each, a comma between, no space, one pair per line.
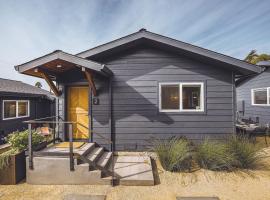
(84,197)
(76,145)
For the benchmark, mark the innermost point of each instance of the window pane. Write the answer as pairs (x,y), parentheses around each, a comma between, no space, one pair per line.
(170,97)
(260,96)
(22,109)
(191,97)
(9,109)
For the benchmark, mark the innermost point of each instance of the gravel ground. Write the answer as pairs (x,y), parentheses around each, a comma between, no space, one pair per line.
(252,185)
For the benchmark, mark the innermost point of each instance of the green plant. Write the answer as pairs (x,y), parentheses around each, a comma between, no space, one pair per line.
(174,154)
(246,155)
(18,141)
(5,158)
(214,156)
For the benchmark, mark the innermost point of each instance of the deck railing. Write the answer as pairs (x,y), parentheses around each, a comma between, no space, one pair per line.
(56,121)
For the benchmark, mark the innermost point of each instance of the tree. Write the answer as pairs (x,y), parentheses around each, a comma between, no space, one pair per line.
(254,58)
(38,84)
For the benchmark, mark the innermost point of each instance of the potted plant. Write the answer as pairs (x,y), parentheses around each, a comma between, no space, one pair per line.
(12,161)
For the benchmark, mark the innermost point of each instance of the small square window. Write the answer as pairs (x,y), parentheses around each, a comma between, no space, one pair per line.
(15,109)
(169,97)
(191,97)
(260,96)
(9,109)
(22,108)
(181,97)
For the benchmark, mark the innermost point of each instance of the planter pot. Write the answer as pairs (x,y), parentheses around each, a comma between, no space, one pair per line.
(15,172)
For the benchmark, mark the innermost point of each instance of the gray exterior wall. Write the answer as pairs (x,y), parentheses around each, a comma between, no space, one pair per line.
(244,94)
(39,108)
(136,116)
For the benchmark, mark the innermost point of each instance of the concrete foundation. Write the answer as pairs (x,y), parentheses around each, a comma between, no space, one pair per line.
(55,171)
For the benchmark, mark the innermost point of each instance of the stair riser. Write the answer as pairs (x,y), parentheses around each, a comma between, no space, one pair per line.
(108,164)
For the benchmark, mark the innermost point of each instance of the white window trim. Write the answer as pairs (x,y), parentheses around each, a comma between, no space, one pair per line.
(267,96)
(180,84)
(17,109)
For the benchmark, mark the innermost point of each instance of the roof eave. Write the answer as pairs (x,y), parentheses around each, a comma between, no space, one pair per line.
(79,61)
(244,66)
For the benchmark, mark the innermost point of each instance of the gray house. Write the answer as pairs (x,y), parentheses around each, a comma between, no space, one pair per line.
(253,96)
(20,102)
(143,86)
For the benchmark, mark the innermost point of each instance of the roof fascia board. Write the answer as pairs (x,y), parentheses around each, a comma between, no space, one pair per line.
(62,56)
(110,45)
(174,43)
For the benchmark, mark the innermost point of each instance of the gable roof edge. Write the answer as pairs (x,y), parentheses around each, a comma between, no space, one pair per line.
(173,43)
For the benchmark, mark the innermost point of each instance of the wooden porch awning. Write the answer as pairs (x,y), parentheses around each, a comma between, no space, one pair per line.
(52,65)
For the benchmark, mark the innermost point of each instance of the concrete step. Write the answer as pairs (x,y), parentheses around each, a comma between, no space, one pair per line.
(105,159)
(86,149)
(132,171)
(95,154)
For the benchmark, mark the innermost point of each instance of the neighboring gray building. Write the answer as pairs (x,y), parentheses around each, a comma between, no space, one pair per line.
(253,96)
(143,86)
(20,102)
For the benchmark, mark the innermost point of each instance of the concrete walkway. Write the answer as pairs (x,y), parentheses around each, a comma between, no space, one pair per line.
(134,170)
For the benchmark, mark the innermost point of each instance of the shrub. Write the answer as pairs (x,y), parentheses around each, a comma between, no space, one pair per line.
(214,156)
(246,155)
(174,154)
(18,141)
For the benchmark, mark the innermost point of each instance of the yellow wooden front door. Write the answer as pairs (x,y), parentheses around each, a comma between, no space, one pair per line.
(77,110)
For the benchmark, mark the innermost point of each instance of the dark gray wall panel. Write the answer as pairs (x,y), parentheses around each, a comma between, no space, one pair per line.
(137,74)
(39,108)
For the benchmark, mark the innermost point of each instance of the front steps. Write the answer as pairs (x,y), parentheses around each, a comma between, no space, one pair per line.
(93,166)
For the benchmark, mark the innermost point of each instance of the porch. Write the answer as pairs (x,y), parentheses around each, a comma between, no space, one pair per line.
(72,156)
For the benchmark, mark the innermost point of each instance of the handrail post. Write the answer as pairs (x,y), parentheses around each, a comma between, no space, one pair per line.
(71,157)
(30,150)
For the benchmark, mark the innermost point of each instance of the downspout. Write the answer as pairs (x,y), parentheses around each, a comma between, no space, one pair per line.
(234,103)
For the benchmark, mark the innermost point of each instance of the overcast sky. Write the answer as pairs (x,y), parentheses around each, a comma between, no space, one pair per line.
(30,29)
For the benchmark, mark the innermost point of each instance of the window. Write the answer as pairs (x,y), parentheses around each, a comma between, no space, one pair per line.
(170,97)
(15,109)
(260,96)
(181,97)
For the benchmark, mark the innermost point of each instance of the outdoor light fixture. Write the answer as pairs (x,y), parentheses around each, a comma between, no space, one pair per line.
(58,66)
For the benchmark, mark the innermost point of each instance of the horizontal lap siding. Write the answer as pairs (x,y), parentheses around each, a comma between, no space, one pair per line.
(39,108)
(135,100)
(244,93)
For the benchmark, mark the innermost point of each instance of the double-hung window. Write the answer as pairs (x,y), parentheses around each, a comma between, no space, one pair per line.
(13,109)
(260,96)
(181,97)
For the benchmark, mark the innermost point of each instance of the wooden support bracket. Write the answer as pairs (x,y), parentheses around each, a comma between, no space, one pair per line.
(90,80)
(50,83)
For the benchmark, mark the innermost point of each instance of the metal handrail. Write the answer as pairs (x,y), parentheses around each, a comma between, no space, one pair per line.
(70,130)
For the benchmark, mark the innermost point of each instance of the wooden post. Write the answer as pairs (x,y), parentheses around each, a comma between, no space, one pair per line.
(50,83)
(30,150)
(91,82)
(71,157)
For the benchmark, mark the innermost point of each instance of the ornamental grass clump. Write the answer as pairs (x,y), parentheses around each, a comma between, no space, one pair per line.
(214,156)
(174,154)
(18,142)
(246,154)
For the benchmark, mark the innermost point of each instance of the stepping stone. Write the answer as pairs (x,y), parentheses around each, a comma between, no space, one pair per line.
(197,198)
(84,197)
